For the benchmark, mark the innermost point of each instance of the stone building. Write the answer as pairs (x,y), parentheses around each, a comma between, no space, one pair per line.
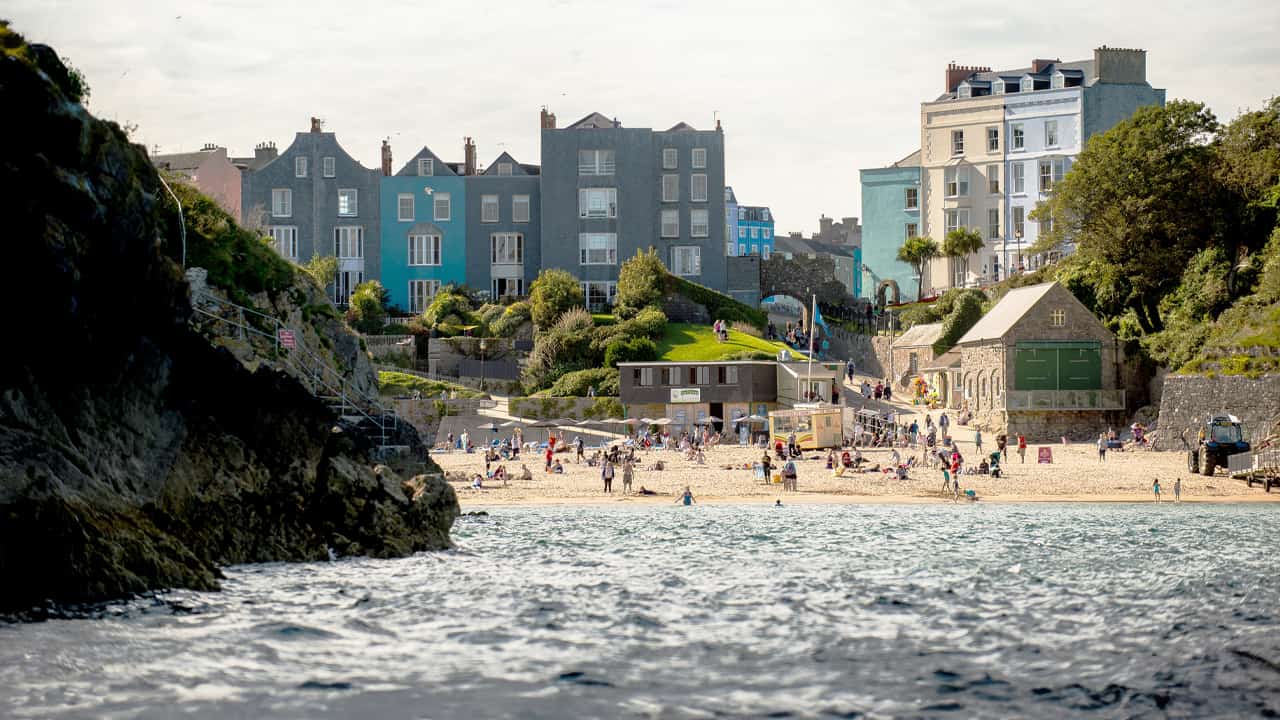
(1040,363)
(687,392)
(913,351)
(210,171)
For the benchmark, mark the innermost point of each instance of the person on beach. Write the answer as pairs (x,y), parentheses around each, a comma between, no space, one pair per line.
(628,470)
(1177,490)
(1102,447)
(790,476)
(778,502)
(1155,488)
(946,479)
(768,467)
(524,472)
(685,497)
(606,473)
(646,491)
(977,440)
(549,457)
(1022,448)
(581,448)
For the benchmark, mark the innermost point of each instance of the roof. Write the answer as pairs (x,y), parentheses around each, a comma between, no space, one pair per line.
(682,126)
(995,324)
(181,162)
(439,167)
(912,160)
(593,121)
(919,335)
(798,369)
(1082,69)
(516,168)
(946,361)
(729,197)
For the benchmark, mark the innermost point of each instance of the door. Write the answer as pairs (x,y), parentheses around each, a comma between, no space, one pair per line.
(717,410)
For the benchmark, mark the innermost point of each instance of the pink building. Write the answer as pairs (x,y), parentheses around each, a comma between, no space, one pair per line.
(210,171)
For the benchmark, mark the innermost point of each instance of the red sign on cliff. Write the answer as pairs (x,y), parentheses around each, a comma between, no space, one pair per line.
(286,339)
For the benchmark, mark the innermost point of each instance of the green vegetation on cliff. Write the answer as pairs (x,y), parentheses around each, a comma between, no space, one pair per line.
(391,384)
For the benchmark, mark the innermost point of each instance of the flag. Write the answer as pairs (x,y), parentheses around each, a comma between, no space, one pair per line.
(818,321)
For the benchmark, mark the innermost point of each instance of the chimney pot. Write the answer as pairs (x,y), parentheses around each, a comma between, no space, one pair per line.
(316,124)
(386,158)
(469,156)
(548,119)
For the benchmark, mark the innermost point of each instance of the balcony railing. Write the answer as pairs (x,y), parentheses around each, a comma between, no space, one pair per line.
(1064,400)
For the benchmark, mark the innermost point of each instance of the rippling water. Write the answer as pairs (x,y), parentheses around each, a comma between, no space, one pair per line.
(709,611)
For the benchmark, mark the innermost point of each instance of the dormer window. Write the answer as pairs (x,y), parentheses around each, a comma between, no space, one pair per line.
(1028,84)
(997,87)
(504,168)
(1058,80)
(964,91)
(426,167)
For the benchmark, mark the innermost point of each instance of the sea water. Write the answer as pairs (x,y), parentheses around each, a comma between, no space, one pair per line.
(966,611)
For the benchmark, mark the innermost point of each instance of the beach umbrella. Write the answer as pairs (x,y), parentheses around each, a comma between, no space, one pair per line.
(487,426)
(543,423)
(510,423)
(588,421)
(662,421)
(646,421)
(712,419)
(630,421)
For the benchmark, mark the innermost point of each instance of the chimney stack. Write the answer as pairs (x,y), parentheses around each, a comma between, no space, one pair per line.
(956,73)
(469,157)
(1120,65)
(386,158)
(1041,63)
(548,119)
(264,152)
(316,124)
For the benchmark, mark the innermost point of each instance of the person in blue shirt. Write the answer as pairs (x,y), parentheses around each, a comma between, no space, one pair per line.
(686,497)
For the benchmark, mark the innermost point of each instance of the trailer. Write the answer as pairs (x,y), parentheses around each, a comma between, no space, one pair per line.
(815,426)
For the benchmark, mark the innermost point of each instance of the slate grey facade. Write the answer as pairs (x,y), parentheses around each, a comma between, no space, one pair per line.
(295,198)
(492,265)
(633,213)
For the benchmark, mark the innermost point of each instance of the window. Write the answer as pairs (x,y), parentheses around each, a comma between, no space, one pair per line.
(506,249)
(327,167)
(1051,133)
(1046,176)
(348,243)
(698,188)
(742,250)
(348,204)
(424,249)
(700,375)
(598,248)
(504,168)
(670,223)
(698,158)
(764,214)
(742,233)
(643,376)
(993,223)
(1019,178)
(957,142)
(300,167)
(404,207)
(670,188)
(912,230)
(1018,212)
(1057,80)
(742,213)
(755,249)
(670,158)
(956,181)
(670,376)
(766,233)
(755,233)
(504,286)
(686,260)
(764,252)
(1057,318)
(699,223)
(443,207)
(1019,137)
(913,198)
(426,167)
(993,139)
(489,208)
(597,202)
(281,202)
(993,179)
(595,162)
(285,238)
(420,294)
(956,219)
(520,208)
(599,295)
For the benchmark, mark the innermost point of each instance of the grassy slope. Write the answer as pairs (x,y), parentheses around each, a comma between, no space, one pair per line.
(683,341)
(394,383)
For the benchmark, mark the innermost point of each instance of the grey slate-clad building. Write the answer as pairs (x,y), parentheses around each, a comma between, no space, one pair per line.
(608,191)
(315,198)
(504,215)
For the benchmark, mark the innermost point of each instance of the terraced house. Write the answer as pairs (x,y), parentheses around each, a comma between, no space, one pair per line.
(424,230)
(315,199)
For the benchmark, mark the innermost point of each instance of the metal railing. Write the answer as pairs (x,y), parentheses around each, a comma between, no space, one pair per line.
(320,379)
(1258,461)
(1064,400)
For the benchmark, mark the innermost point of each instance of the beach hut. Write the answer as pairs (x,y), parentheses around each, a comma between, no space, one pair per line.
(815,426)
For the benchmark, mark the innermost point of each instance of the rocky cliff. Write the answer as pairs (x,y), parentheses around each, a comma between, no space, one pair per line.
(136,453)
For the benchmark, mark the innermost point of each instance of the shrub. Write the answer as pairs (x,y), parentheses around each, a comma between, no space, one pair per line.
(632,350)
(918,314)
(967,312)
(649,322)
(450,306)
(512,318)
(576,383)
(322,269)
(368,307)
(551,294)
(640,283)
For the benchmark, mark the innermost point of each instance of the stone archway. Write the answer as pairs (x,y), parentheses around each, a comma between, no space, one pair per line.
(887,285)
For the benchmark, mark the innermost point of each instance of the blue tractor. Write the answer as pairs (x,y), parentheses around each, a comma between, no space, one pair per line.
(1221,436)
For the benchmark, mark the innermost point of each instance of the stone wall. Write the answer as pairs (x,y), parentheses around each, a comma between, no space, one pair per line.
(983,381)
(1189,399)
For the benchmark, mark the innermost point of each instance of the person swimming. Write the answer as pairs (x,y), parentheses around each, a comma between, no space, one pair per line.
(777,503)
(686,497)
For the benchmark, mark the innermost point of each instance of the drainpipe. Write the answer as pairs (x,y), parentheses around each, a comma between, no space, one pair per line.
(182,223)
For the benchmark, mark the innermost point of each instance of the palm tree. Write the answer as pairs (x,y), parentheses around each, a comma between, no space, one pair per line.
(917,252)
(960,244)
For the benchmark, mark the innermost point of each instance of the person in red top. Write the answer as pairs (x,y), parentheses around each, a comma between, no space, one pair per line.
(549,457)
(1022,447)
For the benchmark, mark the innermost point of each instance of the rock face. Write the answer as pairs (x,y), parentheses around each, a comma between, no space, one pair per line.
(1188,400)
(134,453)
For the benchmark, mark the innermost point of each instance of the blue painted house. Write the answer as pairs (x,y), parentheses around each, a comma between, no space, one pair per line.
(755,231)
(891,201)
(730,222)
(424,231)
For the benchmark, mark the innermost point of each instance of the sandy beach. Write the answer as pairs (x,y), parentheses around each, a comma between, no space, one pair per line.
(1075,475)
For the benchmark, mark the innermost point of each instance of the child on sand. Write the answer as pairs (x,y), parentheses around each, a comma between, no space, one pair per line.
(1155,488)
(1177,490)
(1022,448)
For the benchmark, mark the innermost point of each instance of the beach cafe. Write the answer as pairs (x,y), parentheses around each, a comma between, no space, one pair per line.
(816,425)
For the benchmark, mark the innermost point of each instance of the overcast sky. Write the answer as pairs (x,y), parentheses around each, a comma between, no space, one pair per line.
(808,92)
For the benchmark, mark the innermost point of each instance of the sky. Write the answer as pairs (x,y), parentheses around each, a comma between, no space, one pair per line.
(808,91)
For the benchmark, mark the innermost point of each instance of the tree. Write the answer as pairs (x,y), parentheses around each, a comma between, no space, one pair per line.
(641,281)
(368,306)
(551,294)
(965,314)
(960,244)
(1139,202)
(322,268)
(917,252)
(450,306)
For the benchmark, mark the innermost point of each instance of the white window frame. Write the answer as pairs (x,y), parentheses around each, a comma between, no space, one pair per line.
(766,233)
(421,292)
(518,201)
(670,188)
(426,167)
(1018,137)
(1019,186)
(993,139)
(328,166)
(742,250)
(699,223)
(993,180)
(686,260)
(506,241)
(608,288)
(400,207)
(608,203)
(285,239)
(597,248)
(912,229)
(598,161)
(1019,221)
(1057,81)
(954,219)
(670,226)
(957,143)
(1051,139)
(755,233)
(755,248)
(911,198)
(670,158)
(511,282)
(698,158)
(438,200)
(1057,317)
(425,249)
(353,206)
(1044,176)
(742,232)
(956,181)
(343,243)
(281,202)
(300,167)
(490,210)
(694,194)
(505,169)
(993,223)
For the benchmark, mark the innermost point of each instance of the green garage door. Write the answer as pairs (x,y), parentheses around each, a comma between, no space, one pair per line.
(1058,366)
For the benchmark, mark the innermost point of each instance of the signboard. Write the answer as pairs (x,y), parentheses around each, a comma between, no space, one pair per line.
(1046,456)
(686,395)
(286,339)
